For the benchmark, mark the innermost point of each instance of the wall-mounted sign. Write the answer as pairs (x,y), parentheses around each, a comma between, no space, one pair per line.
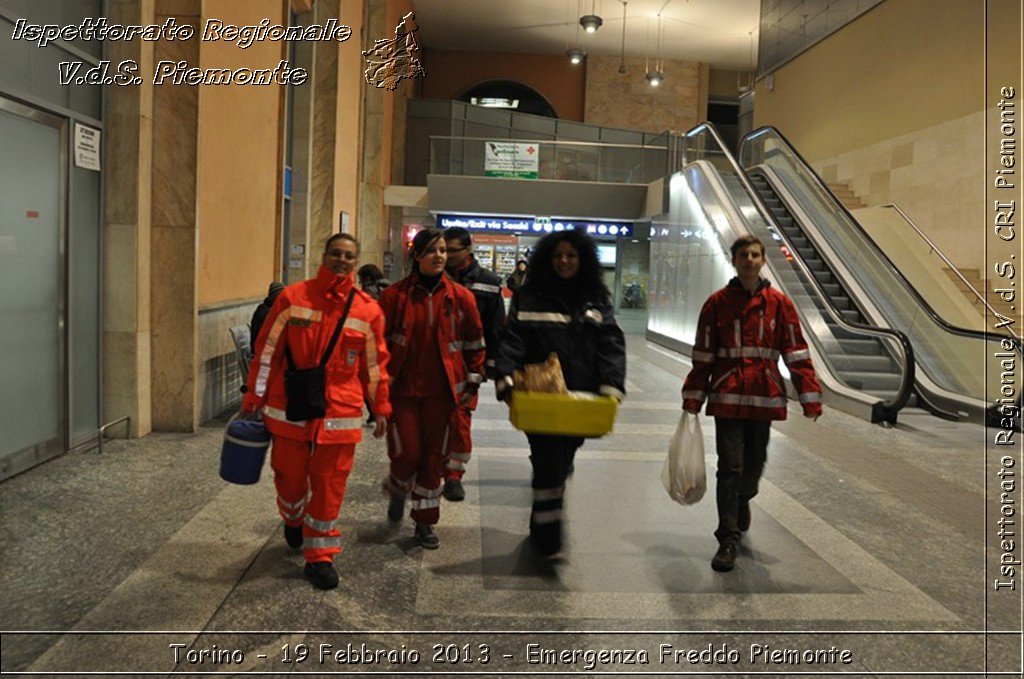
(87,147)
(537,226)
(509,159)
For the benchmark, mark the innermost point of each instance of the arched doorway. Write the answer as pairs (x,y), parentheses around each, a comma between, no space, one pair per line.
(509,95)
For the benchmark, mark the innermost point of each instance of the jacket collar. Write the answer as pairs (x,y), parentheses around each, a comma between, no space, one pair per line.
(463,271)
(762,284)
(335,287)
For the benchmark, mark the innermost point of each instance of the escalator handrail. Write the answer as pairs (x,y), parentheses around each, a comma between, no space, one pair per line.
(945,259)
(908,376)
(893,269)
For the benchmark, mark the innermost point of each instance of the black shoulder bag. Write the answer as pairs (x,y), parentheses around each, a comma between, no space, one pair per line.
(306,389)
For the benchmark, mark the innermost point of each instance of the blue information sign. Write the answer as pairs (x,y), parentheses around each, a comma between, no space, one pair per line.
(536,226)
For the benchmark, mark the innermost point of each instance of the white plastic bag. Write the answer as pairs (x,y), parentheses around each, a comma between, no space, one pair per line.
(683,474)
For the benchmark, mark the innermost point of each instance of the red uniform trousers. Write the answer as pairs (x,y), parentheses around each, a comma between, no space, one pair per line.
(418,447)
(460,442)
(319,471)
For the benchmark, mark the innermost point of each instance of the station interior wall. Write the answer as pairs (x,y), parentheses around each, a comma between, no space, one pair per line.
(893,105)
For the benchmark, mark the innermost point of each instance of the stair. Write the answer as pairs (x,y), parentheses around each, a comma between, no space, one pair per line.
(974,278)
(850,200)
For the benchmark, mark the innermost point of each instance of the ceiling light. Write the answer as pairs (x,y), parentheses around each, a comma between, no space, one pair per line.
(655,78)
(591,22)
(575,55)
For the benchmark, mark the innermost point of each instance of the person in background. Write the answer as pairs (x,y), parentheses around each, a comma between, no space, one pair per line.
(371,280)
(486,288)
(518,277)
(437,363)
(312,458)
(262,310)
(563,308)
(741,332)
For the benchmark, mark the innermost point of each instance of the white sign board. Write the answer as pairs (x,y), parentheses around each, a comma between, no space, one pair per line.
(510,159)
(87,147)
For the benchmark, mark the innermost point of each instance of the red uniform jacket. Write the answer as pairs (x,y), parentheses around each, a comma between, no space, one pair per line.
(736,356)
(459,332)
(303,318)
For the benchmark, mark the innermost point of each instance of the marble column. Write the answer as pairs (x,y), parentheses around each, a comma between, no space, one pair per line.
(301,123)
(372,215)
(126,230)
(322,220)
(173,293)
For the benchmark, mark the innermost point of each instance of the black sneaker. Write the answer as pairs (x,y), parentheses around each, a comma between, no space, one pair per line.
(453,490)
(396,507)
(293,536)
(322,574)
(725,557)
(426,536)
(743,517)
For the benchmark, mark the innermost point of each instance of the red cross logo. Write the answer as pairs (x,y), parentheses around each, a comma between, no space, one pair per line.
(531,150)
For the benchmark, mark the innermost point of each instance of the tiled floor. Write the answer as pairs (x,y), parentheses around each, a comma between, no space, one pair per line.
(860,536)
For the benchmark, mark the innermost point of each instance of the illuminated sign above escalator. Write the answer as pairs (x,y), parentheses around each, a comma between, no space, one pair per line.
(529,226)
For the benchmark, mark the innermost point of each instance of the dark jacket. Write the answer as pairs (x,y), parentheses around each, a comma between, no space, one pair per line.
(375,288)
(260,314)
(486,288)
(589,343)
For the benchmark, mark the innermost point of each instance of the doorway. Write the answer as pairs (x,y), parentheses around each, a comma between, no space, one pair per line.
(32,217)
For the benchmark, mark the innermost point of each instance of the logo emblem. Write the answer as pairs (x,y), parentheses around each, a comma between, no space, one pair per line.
(391,60)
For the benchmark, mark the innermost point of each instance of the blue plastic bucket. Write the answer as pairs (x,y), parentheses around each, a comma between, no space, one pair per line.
(243,451)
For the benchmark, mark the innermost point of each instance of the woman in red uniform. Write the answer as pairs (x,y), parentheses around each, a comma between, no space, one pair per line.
(436,343)
(312,457)
(743,330)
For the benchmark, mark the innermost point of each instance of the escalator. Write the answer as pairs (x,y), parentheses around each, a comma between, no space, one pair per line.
(864,363)
(951,379)
(865,369)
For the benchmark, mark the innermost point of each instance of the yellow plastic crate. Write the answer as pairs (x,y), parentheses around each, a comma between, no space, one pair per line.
(576,414)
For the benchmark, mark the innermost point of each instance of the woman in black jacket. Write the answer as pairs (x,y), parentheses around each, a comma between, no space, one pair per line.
(563,308)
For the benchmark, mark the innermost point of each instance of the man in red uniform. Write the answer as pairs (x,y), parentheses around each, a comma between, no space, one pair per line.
(312,458)
(742,331)
(486,288)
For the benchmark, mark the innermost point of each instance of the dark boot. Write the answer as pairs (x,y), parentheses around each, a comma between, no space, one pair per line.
(453,490)
(293,536)
(322,574)
(426,536)
(547,537)
(396,507)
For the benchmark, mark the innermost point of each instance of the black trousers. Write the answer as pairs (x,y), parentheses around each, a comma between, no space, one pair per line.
(742,447)
(552,459)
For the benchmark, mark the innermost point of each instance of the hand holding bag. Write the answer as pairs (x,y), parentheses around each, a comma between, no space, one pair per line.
(683,474)
(306,389)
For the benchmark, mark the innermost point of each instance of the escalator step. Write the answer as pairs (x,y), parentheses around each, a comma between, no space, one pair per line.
(871,381)
(858,363)
(824,277)
(833,289)
(842,303)
(807,253)
(852,315)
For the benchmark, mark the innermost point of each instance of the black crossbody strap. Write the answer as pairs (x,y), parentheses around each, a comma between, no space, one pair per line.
(334,338)
(337,330)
